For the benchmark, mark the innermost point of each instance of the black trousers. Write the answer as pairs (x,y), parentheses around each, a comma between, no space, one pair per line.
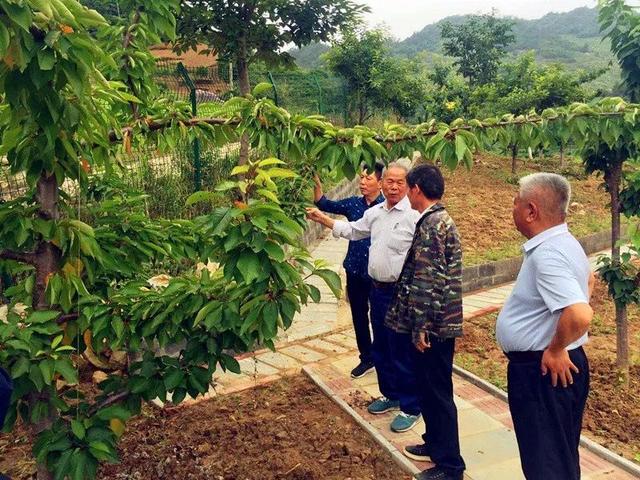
(547,420)
(358,291)
(433,371)
(5,394)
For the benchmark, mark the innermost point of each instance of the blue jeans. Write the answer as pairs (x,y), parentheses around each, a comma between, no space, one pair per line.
(6,388)
(391,355)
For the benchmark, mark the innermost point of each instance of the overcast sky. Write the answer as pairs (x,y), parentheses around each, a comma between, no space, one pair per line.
(404,17)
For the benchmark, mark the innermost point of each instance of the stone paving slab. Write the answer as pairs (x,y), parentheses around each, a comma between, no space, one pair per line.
(320,344)
(302,353)
(280,361)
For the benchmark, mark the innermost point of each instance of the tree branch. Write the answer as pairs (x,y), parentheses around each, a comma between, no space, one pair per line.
(66,317)
(22,257)
(161,125)
(110,400)
(126,41)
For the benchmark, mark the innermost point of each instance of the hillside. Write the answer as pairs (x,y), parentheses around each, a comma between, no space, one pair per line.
(570,38)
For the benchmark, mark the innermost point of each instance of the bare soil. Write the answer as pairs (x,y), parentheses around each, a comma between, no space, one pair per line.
(288,430)
(480,202)
(612,417)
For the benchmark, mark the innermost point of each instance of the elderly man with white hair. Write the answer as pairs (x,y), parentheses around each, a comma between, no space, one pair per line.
(391,226)
(542,328)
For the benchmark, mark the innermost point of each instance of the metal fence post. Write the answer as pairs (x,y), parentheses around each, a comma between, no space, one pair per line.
(275,89)
(197,161)
(315,78)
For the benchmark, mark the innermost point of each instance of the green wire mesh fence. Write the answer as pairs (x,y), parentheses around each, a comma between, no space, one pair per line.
(169,178)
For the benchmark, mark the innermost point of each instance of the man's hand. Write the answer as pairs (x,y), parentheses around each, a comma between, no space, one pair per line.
(317,188)
(315,214)
(421,342)
(559,365)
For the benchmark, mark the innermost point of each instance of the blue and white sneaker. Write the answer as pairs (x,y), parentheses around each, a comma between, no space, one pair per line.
(383,405)
(404,422)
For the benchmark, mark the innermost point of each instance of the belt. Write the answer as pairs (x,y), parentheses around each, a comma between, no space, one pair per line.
(377,284)
(532,355)
(525,357)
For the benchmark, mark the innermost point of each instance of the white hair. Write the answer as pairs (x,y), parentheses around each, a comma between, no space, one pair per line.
(401,163)
(553,191)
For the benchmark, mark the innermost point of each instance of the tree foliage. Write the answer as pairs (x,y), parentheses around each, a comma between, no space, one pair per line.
(91,286)
(478,45)
(248,31)
(375,79)
(620,23)
(89,268)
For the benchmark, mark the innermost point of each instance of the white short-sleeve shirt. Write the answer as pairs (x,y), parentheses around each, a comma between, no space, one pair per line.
(554,275)
(391,231)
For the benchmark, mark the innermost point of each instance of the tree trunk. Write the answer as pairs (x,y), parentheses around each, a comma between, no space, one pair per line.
(245,88)
(514,158)
(47,263)
(613,179)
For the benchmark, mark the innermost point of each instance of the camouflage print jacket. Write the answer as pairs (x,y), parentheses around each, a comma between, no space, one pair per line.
(428,295)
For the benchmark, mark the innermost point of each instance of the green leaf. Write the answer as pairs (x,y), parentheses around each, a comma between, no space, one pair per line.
(174,379)
(21,367)
(67,370)
(281,172)
(314,293)
(270,161)
(46,368)
(46,59)
(249,266)
(42,316)
(275,251)
(4,39)
(20,14)
(461,147)
(261,89)
(114,411)
(78,429)
(102,451)
(332,279)
(268,194)
(230,363)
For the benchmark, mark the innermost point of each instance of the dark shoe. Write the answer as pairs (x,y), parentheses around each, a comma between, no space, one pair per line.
(436,473)
(4,477)
(417,452)
(362,369)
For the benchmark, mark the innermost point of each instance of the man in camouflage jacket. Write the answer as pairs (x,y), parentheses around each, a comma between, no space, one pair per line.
(427,310)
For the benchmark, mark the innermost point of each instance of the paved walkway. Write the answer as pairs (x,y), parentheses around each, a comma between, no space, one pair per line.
(322,339)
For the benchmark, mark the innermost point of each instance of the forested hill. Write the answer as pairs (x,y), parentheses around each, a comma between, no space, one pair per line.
(570,38)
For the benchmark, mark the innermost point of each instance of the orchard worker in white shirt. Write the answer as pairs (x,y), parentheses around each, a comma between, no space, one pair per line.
(391,225)
(542,328)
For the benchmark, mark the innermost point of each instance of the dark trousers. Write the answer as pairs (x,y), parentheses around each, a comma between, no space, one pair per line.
(5,394)
(358,289)
(433,371)
(547,420)
(391,356)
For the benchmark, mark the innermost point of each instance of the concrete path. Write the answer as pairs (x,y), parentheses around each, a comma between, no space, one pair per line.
(322,339)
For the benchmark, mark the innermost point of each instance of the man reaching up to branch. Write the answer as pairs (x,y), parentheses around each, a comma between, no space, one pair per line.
(390,225)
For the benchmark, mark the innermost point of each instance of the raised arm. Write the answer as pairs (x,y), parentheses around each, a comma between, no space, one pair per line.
(339,207)
(350,230)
